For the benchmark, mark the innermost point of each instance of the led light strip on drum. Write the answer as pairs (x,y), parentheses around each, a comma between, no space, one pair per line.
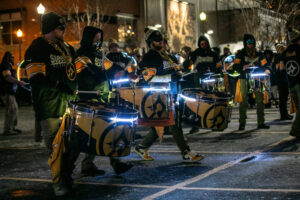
(116,119)
(120,80)
(209,81)
(187,98)
(157,89)
(259,74)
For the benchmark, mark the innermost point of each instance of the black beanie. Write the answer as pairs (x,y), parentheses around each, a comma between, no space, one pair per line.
(51,21)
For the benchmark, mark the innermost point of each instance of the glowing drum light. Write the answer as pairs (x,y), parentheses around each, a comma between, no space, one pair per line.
(156,89)
(120,81)
(187,98)
(116,119)
(209,80)
(259,75)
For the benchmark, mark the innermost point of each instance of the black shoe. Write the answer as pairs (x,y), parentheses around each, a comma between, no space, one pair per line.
(286,117)
(263,126)
(93,171)
(8,133)
(293,133)
(17,130)
(121,167)
(241,127)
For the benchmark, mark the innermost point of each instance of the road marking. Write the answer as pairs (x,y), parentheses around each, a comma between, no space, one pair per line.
(157,186)
(240,189)
(214,171)
(224,152)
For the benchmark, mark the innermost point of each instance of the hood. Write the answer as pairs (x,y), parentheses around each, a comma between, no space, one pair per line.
(201,38)
(88,35)
(248,37)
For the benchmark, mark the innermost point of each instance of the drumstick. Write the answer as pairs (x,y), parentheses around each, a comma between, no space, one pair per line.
(186,74)
(97,92)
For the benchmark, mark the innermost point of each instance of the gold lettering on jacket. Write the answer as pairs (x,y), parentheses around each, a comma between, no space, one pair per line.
(57,61)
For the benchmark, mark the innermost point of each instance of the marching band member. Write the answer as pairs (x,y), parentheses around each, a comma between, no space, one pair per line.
(245,58)
(94,78)
(205,60)
(291,59)
(157,64)
(123,64)
(52,70)
(283,85)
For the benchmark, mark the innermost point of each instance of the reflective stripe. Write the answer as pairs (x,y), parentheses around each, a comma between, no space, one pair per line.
(237,61)
(129,69)
(263,62)
(107,64)
(191,67)
(148,73)
(80,64)
(33,69)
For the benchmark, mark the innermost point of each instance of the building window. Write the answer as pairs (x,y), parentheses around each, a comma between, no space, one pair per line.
(9,24)
(126,27)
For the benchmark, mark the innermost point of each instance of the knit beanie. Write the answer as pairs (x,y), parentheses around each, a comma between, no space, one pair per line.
(152,34)
(51,21)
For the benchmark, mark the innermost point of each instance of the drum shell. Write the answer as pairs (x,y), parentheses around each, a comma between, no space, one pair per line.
(206,109)
(97,134)
(260,83)
(155,107)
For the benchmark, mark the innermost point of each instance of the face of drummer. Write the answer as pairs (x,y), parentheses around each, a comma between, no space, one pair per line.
(157,42)
(59,32)
(203,44)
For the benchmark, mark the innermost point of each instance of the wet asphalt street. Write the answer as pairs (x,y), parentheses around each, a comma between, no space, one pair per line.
(250,164)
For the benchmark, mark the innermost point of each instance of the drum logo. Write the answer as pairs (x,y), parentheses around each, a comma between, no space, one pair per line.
(113,141)
(71,71)
(214,117)
(292,68)
(157,108)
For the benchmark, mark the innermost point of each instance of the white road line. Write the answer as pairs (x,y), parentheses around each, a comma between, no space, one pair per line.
(213,171)
(224,152)
(158,186)
(240,189)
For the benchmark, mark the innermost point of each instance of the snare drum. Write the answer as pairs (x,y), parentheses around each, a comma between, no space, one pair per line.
(205,109)
(153,102)
(258,81)
(103,130)
(213,82)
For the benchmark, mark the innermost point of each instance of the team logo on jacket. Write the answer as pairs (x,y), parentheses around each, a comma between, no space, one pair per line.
(98,62)
(71,72)
(292,68)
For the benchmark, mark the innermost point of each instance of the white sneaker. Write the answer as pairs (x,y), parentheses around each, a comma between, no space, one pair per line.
(191,157)
(143,153)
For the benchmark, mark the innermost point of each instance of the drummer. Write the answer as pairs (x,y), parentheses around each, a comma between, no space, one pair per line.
(244,60)
(156,63)
(205,60)
(93,78)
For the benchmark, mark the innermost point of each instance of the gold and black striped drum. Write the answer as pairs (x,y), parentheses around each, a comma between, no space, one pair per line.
(103,129)
(205,109)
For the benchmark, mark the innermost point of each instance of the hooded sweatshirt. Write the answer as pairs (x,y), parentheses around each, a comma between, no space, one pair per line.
(251,58)
(92,76)
(205,60)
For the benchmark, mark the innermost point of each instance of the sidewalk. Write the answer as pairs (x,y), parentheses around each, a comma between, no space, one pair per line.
(26,124)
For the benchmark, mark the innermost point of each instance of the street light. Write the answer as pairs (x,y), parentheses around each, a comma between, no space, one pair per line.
(202,17)
(41,11)
(20,35)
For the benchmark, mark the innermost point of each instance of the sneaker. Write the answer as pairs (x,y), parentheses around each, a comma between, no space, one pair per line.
(60,190)
(143,153)
(191,157)
(293,133)
(92,171)
(17,130)
(121,167)
(287,117)
(263,126)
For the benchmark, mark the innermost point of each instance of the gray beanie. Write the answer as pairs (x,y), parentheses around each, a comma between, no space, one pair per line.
(51,21)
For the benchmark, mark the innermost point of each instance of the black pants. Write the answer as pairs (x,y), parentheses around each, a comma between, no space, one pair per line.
(283,97)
